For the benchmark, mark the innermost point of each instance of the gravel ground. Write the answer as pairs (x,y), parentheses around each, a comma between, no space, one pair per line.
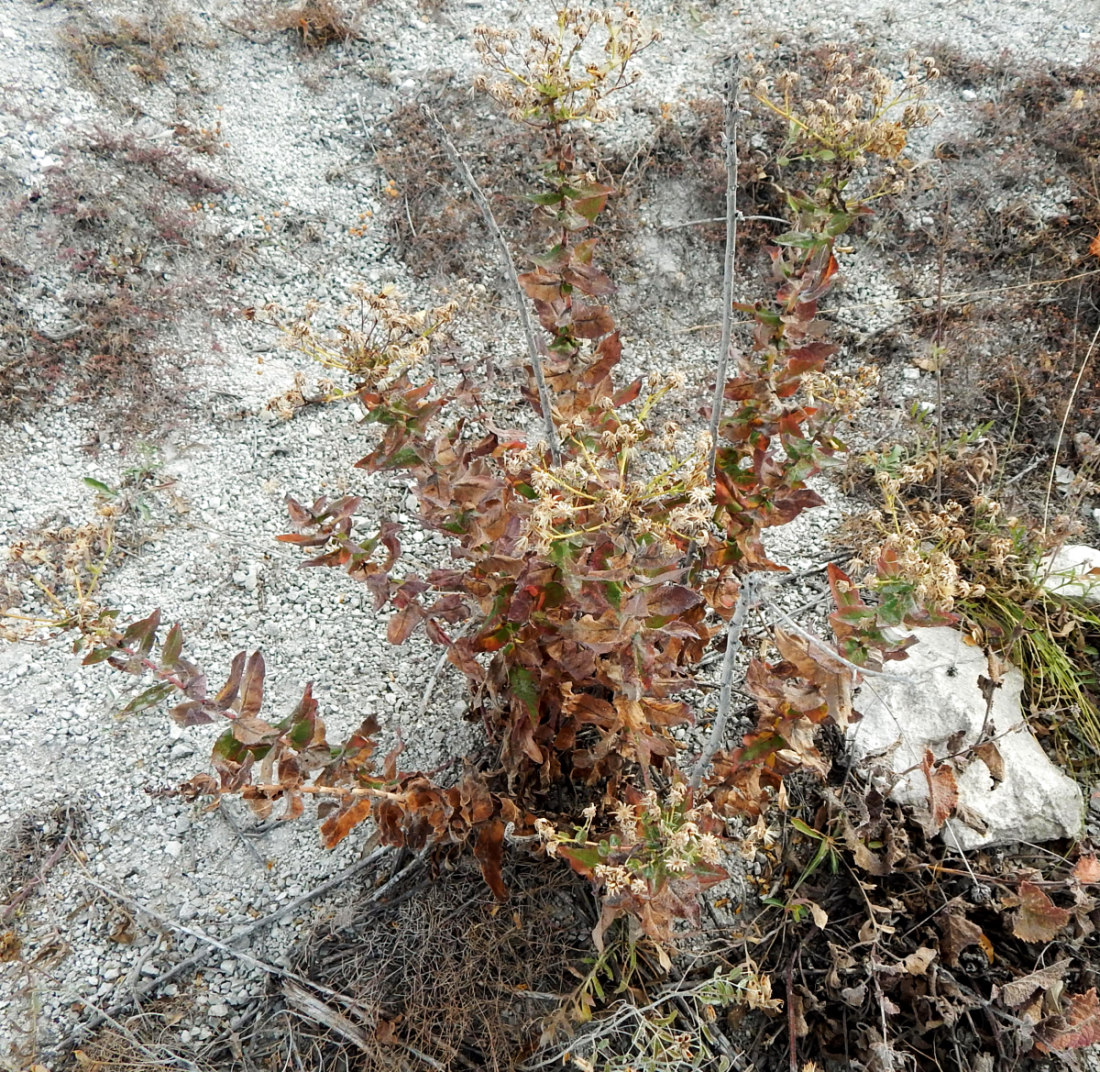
(294,132)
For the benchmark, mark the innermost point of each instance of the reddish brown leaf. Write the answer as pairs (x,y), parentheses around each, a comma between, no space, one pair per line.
(592,321)
(192,713)
(489,852)
(228,691)
(338,826)
(1080,1023)
(943,791)
(252,688)
(1039,919)
(250,730)
(1094,245)
(540,285)
(958,934)
(670,600)
(403,622)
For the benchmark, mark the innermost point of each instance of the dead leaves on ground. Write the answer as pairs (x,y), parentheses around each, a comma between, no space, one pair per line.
(925,943)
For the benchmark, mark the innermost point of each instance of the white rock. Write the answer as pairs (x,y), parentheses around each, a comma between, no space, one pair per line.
(933,695)
(1072,572)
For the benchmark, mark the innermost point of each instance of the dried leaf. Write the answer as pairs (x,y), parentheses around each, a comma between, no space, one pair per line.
(403,622)
(489,852)
(918,961)
(959,933)
(943,791)
(1020,991)
(10,946)
(990,755)
(250,731)
(1094,245)
(228,691)
(337,827)
(252,689)
(1038,918)
(1087,869)
(1080,1024)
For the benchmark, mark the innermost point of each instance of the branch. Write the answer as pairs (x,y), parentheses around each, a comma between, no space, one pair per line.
(513,278)
(151,986)
(729,264)
(745,598)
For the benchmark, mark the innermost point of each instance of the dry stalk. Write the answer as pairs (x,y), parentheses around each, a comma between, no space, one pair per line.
(729,263)
(1065,420)
(149,988)
(746,597)
(513,279)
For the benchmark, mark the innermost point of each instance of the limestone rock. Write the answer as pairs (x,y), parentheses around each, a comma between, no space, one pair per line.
(1072,572)
(933,695)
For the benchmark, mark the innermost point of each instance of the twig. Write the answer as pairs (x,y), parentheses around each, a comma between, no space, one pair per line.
(745,598)
(153,985)
(217,943)
(165,1059)
(937,338)
(316,1010)
(1022,473)
(430,687)
(513,278)
(1065,421)
(741,218)
(233,825)
(729,264)
(25,891)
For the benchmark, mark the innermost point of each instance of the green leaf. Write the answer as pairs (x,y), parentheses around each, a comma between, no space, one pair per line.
(149,698)
(173,647)
(98,655)
(228,748)
(405,458)
(103,489)
(555,197)
(797,239)
(804,828)
(838,223)
(524,689)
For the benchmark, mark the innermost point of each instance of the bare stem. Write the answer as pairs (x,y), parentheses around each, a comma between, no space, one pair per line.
(730,262)
(517,291)
(151,986)
(745,599)
(1065,420)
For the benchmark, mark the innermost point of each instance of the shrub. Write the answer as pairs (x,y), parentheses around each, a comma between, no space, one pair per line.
(596,558)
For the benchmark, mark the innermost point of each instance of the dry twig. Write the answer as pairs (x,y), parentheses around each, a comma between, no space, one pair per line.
(513,278)
(729,263)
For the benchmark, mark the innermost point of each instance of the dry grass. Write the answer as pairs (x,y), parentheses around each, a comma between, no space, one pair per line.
(146,43)
(446,978)
(315,24)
